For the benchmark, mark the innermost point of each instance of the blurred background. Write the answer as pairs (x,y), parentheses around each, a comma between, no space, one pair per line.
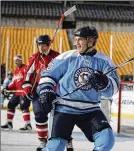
(23,21)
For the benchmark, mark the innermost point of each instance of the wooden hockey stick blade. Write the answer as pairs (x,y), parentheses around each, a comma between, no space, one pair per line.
(70,11)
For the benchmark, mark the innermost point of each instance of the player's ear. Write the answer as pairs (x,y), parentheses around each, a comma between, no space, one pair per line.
(90,41)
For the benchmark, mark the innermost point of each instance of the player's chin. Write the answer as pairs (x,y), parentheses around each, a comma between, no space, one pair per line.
(80,50)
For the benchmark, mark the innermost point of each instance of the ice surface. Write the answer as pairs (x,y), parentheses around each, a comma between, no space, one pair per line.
(15,141)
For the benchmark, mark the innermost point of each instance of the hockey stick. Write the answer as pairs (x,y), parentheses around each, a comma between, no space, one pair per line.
(14,91)
(121,65)
(117,67)
(64,15)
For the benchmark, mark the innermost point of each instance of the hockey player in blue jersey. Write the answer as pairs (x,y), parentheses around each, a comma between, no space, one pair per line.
(81,68)
(6,82)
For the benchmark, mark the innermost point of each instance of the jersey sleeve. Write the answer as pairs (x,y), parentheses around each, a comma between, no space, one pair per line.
(6,82)
(31,67)
(12,85)
(29,71)
(55,70)
(113,84)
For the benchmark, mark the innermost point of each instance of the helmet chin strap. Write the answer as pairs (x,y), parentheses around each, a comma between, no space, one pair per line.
(88,48)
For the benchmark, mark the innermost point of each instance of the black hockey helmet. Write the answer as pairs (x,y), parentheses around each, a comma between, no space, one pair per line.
(43,39)
(87,32)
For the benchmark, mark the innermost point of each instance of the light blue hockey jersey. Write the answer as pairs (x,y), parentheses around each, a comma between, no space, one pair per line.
(6,82)
(69,71)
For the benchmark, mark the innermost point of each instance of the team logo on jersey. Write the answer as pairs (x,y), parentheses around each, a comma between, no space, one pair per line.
(18,77)
(82,76)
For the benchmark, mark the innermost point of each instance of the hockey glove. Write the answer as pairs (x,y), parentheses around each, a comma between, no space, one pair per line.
(99,81)
(46,97)
(27,86)
(4,92)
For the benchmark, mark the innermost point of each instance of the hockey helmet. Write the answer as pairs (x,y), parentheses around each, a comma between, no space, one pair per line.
(43,39)
(18,57)
(10,73)
(87,32)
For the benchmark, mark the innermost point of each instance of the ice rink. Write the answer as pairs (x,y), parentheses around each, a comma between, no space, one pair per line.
(15,141)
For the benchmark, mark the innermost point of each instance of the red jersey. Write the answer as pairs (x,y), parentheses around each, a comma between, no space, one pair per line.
(38,63)
(18,79)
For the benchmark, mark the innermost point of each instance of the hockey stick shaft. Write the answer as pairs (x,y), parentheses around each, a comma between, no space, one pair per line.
(56,100)
(121,65)
(21,91)
(117,67)
(65,14)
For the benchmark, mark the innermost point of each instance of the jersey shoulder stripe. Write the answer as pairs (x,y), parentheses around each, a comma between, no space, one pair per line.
(67,54)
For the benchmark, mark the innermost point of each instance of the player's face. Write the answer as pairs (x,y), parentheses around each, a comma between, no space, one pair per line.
(18,63)
(43,48)
(81,43)
(10,76)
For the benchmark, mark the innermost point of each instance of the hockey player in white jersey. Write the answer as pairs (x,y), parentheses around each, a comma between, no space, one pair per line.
(81,68)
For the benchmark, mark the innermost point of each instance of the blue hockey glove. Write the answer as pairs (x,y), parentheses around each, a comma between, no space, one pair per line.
(99,81)
(46,96)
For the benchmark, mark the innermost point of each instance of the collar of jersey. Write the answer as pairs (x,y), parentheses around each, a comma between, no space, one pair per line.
(92,53)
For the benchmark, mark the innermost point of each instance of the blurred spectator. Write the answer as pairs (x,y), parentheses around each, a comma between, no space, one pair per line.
(6,82)
(3,73)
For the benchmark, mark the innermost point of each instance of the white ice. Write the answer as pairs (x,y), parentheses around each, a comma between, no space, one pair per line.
(15,141)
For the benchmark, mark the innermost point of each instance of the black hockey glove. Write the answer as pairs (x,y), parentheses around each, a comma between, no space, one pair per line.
(99,81)
(46,97)
(5,93)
